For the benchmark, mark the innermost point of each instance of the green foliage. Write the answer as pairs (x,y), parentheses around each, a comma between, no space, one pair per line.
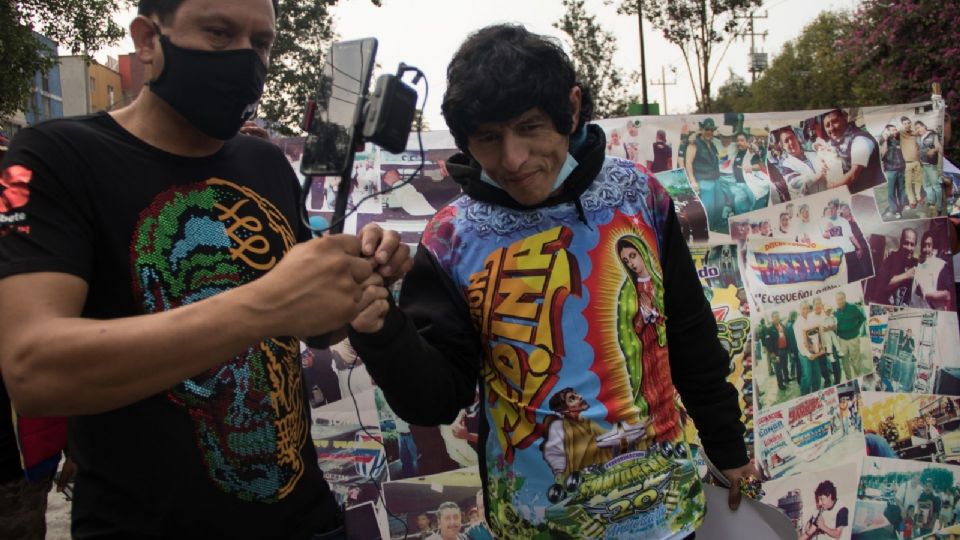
(304,31)
(887,52)
(902,46)
(733,95)
(82,26)
(592,50)
(942,478)
(811,72)
(697,27)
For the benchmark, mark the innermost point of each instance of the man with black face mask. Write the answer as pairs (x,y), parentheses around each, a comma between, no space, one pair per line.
(153,273)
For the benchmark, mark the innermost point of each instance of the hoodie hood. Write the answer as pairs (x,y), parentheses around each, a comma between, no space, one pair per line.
(590,155)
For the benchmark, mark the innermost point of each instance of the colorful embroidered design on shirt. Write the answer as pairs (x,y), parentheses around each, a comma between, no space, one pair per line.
(194,242)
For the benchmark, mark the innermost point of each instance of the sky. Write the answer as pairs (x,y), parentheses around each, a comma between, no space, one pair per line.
(426,33)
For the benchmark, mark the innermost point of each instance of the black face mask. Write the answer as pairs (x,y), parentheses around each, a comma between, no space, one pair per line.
(216,91)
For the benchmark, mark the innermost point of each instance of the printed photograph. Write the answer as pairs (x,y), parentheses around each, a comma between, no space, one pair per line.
(921,427)
(901,499)
(819,504)
(824,152)
(810,433)
(826,218)
(350,449)
(724,166)
(914,266)
(423,450)
(916,352)
(686,203)
(911,154)
(447,506)
(810,344)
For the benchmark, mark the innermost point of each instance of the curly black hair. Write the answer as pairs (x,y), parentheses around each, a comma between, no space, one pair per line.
(826,488)
(502,71)
(164,9)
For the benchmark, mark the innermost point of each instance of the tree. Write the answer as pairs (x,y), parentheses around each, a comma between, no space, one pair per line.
(304,30)
(733,96)
(902,46)
(697,27)
(82,26)
(592,49)
(812,71)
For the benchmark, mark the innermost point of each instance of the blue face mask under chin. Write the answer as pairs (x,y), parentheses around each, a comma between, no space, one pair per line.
(568,166)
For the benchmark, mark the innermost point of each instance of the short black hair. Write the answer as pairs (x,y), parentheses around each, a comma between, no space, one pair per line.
(826,488)
(164,9)
(558,401)
(504,70)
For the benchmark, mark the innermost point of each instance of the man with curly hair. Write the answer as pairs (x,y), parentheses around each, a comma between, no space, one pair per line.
(518,285)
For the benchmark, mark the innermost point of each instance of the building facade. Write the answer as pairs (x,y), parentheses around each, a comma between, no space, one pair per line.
(89,86)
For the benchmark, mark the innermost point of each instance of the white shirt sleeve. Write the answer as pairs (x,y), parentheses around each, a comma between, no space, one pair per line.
(413,202)
(553,451)
(860,150)
(800,333)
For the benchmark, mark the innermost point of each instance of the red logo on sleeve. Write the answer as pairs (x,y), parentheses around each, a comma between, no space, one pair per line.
(15,187)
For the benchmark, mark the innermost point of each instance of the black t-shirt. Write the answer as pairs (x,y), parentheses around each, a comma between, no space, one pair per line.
(896,263)
(228,453)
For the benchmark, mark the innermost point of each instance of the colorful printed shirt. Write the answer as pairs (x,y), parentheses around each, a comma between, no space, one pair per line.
(561,312)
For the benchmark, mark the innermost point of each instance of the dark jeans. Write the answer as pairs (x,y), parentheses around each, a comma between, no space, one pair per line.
(780,367)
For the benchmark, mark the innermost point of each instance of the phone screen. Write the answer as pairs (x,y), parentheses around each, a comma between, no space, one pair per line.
(344,81)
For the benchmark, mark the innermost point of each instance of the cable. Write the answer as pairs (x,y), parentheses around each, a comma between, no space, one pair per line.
(386,461)
(308,183)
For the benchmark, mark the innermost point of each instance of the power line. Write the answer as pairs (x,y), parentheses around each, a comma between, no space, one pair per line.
(663,84)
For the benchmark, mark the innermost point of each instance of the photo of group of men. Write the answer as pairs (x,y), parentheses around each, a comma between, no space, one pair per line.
(810,345)
(714,170)
(910,154)
(902,499)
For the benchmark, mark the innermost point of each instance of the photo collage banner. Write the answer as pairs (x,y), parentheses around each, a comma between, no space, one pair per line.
(821,241)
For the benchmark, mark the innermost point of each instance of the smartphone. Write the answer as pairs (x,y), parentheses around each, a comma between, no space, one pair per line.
(331,130)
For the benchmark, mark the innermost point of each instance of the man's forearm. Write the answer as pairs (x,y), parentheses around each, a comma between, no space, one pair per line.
(850,176)
(399,355)
(72,365)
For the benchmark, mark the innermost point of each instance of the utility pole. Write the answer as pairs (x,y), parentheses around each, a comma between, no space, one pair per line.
(643,60)
(758,61)
(663,84)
